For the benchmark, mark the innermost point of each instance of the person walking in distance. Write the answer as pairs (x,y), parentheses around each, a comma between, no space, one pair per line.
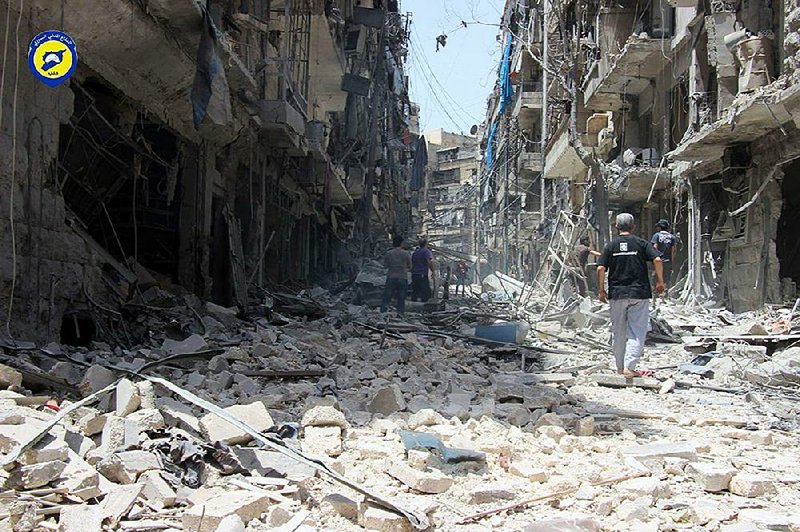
(625,258)
(461,277)
(398,264)
(581,259)
(664,242)
(421,264)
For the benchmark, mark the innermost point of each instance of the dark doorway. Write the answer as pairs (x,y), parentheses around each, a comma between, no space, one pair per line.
(787,242)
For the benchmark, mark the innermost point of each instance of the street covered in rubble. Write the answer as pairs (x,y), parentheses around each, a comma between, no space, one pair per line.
(267,265)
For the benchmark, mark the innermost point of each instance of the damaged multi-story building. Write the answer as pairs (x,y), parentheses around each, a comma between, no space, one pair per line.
(448,210)
(681,110)
(214,146)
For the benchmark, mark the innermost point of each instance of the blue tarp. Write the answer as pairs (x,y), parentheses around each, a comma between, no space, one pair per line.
(506,90)
(490,146)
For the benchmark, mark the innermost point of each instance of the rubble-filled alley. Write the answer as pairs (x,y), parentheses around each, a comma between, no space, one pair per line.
(212,318)
(327,416)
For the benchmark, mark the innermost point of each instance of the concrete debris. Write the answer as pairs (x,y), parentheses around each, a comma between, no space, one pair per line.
(446,425)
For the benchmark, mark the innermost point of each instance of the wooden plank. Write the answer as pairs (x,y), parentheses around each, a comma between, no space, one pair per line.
(237,258)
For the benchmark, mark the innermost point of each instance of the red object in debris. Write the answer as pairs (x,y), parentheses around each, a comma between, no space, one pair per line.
(52,404)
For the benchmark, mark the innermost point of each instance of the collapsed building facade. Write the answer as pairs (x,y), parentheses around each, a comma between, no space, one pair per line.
(682,110)
(147,166)
(448,210)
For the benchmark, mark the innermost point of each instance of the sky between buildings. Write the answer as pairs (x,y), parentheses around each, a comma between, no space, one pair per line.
(451,85)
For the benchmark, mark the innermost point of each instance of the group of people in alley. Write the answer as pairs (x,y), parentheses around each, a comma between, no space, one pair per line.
(625,260)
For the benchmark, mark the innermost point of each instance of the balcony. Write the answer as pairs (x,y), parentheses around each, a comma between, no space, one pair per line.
(561,159)
(633,184)
(528,97)
(532,159)
(628,72)
(282,125)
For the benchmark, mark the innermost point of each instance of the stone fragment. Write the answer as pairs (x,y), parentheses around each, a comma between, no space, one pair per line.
(156,490)
(232,523)
(711,477)
(649,487)
(192,344)
(224,315)
(79,443)
(96,378)
(549,419)
(218,364)
(387,400)
(36,475)
(769,519)
(9,377)
(706,510)
(90,422)
(419,460)
(217,429)
(147,394)
(324,416)
(630,510)
(206,516)
(529,470)
(761,437)
(118,502)
(584,426)
(379,520)
(338,504)
(661,449)
(119,433)
(586,492)
(177,414)
(147,420)
(620,381)
(490,493)
(80,478)
(425,418)
(553,431)
(80,518)
(433,481)
(127,397)
(564,524)
(125,467)
(322,441)
(750,485)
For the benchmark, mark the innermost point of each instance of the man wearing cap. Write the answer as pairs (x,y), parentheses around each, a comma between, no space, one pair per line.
(664,242)
(625,258)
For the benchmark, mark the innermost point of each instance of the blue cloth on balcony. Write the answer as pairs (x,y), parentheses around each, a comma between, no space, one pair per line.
(211,95)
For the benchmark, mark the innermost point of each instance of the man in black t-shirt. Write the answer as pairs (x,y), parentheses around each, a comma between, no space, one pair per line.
(625,258)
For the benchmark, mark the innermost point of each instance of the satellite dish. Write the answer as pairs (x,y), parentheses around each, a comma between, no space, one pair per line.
(473,130)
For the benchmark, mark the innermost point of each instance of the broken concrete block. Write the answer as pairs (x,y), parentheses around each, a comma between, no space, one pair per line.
(47,449)
(549,419)
(218,364)
(584,426)
(324,416)
(125,467)
(80,478)
(156,490)
(79,443)
(321,441)
(769,519)
(96,378)
(127,397)
(750,485)
(374,518)
(90,422)
(425,418)
(490,493)
(706,510)
(217,429)
(433,481)
(147,394)
(650,487)
(761,437)
(119,433)
(208,515)
(192,344)
(177,414)
(118,502)
(565,524)
(232,523)
(9,377)
(224,315)
(80,518)
(419,460)
(661,450)
(550,430)
(387,400)
(529,470)
(338,504)
(35,475)
(620,381)
(147,420)
(630,510)
(711,477)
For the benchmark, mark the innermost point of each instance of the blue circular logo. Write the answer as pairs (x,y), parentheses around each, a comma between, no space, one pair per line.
(52,57)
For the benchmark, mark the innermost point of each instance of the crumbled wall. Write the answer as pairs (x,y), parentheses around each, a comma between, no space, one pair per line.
(791,43)
(50,258)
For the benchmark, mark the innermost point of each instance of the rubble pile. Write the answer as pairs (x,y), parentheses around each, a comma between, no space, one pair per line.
(346,422)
